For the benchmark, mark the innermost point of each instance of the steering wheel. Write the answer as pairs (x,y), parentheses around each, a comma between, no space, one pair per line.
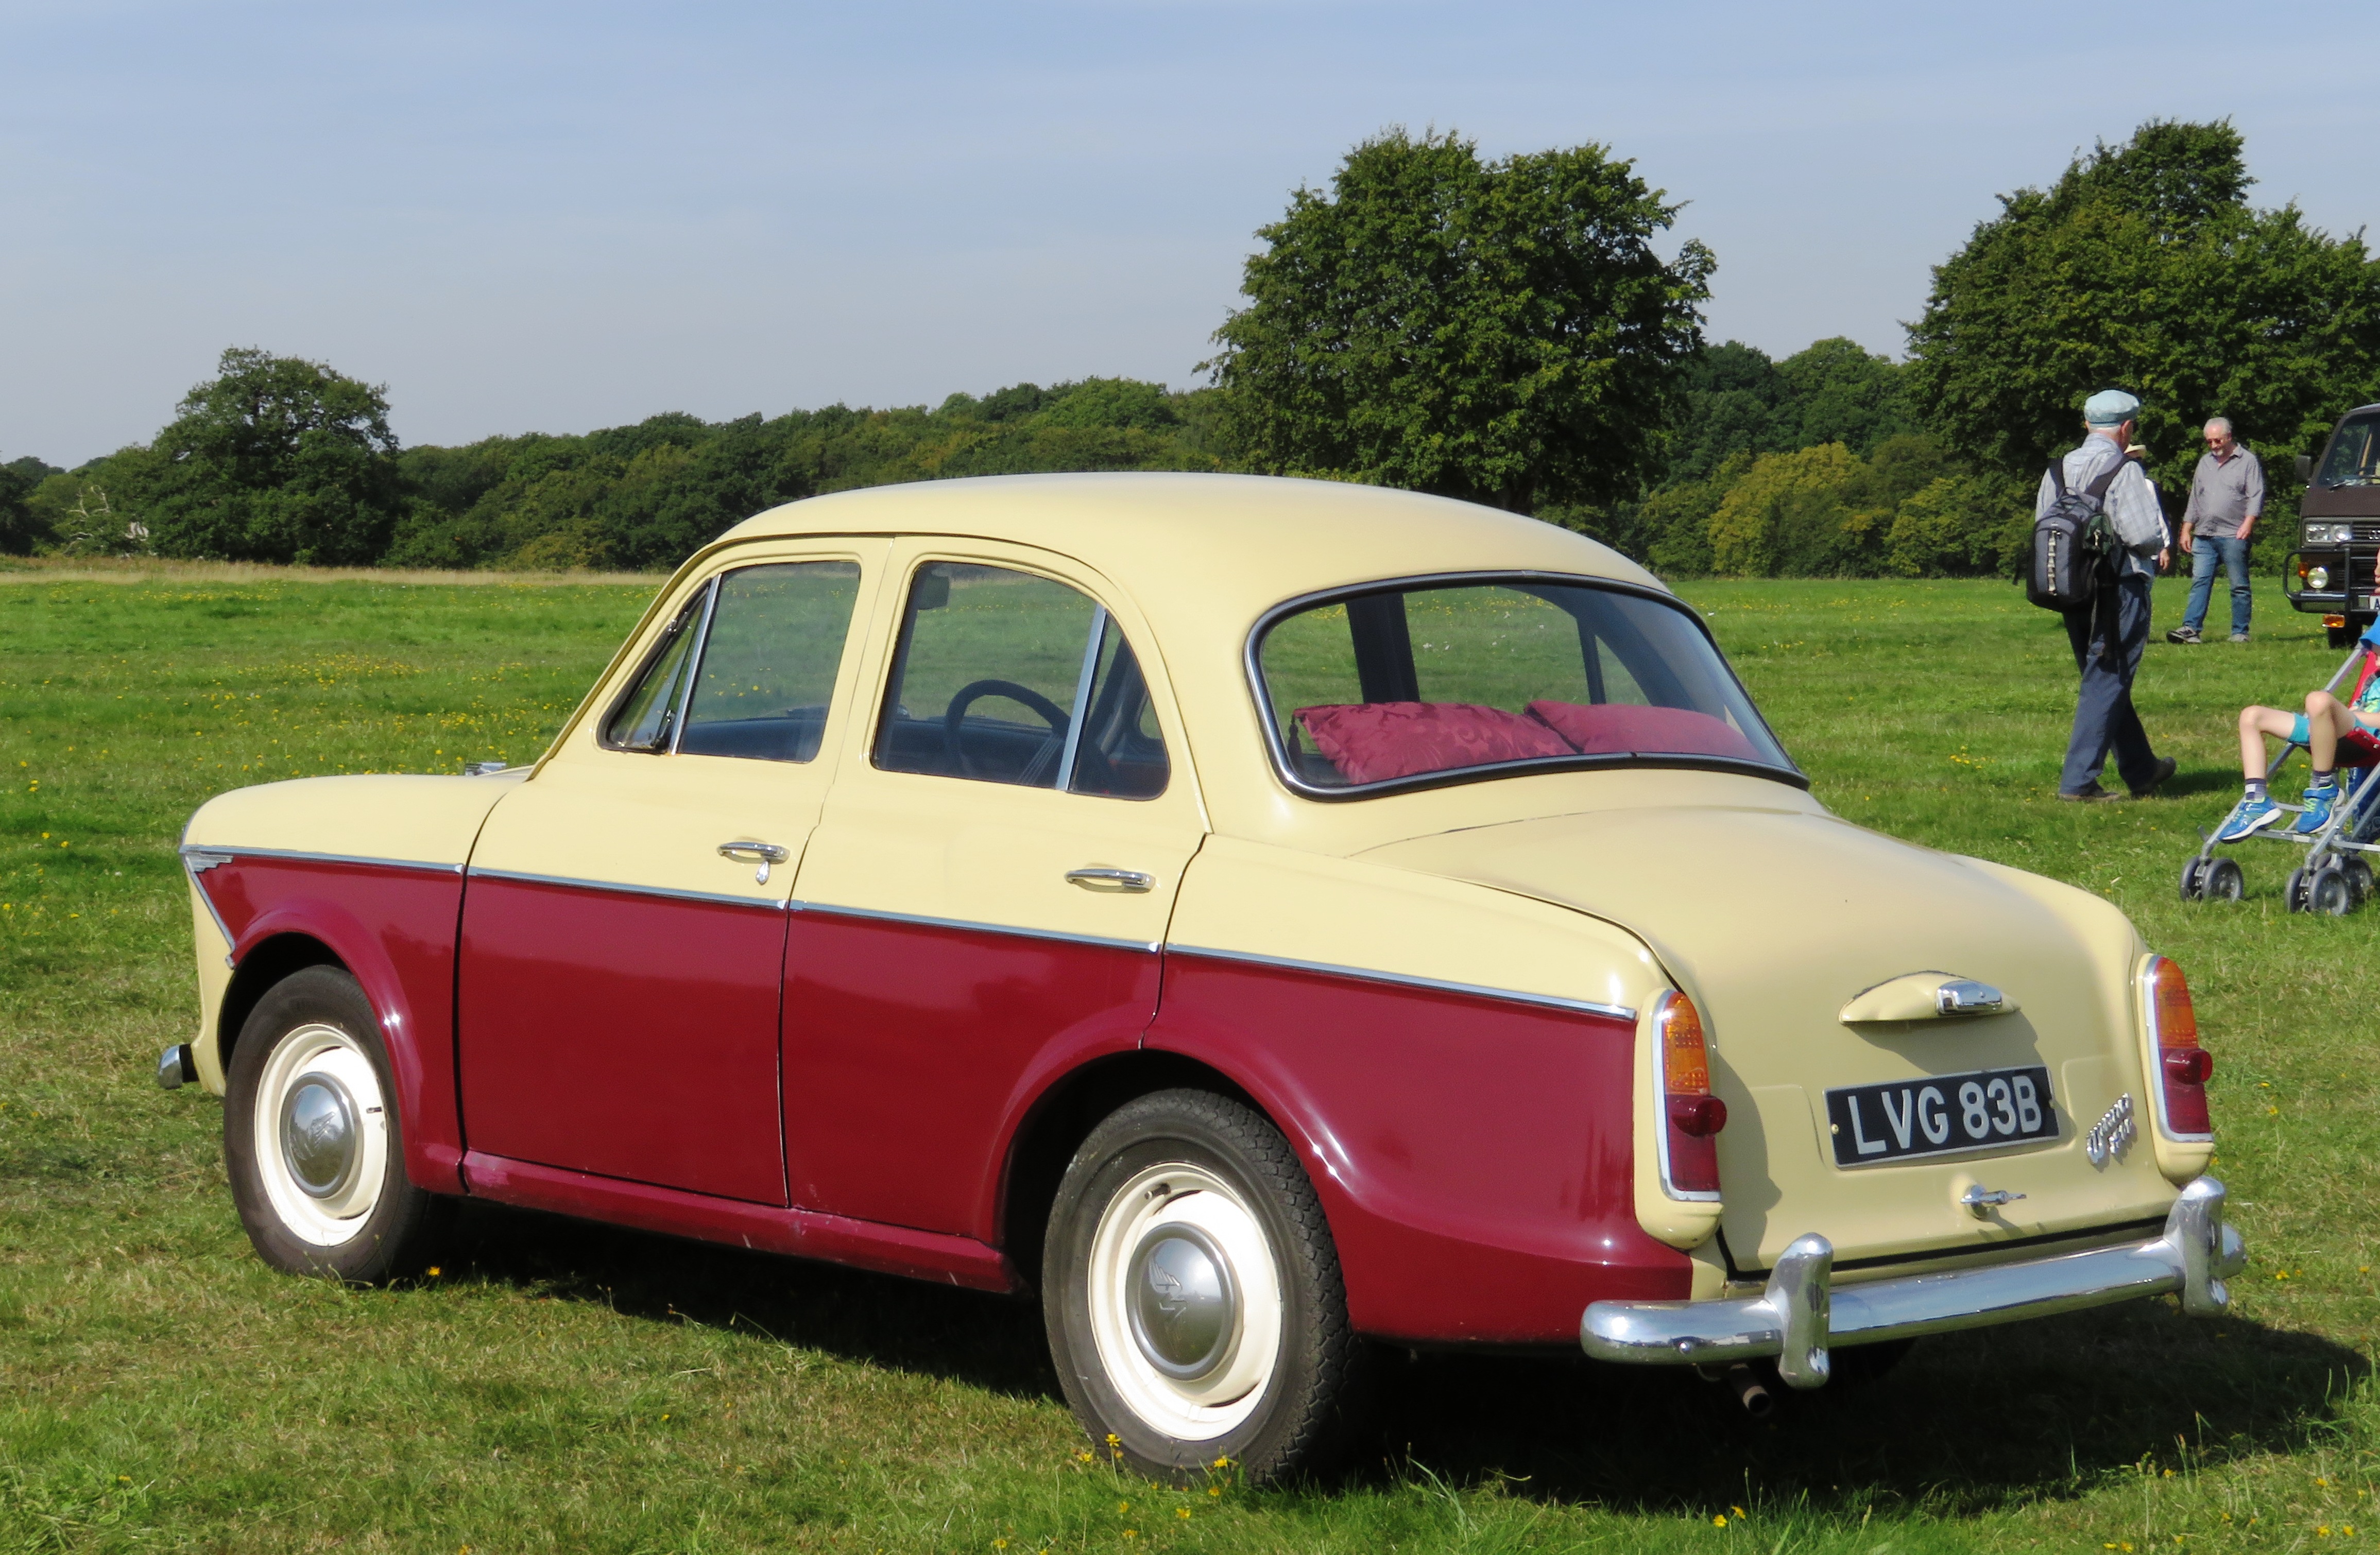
(955,718)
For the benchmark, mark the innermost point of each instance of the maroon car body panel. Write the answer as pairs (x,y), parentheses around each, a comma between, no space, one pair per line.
(912,1049)
(625,1034)
(394,926)
(1473,1154)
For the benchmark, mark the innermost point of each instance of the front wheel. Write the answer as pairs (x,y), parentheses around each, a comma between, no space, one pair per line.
(312,1140)
(1192,1295)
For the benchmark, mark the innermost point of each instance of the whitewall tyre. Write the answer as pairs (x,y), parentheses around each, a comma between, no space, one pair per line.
(312,1140)
(1192,1295)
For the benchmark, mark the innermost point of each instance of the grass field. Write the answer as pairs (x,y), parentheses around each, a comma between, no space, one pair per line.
(565,1387)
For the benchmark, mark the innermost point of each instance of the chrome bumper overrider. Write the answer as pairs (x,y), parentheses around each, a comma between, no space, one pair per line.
(1799,1314)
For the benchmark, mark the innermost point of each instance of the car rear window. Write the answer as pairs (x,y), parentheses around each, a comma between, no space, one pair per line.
(1411,683)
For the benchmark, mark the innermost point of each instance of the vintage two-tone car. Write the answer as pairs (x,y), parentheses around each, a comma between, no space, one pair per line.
(1261,917)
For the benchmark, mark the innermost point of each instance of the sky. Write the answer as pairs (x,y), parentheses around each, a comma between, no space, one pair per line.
(554,217)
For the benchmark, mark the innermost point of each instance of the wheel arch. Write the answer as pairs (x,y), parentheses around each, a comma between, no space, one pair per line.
(1063,1117)
(266,963)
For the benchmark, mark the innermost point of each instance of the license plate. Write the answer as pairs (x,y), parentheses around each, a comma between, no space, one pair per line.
(1941,1116)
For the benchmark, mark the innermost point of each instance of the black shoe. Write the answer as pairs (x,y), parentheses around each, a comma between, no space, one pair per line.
(2093,794)
(2186,635)
(2165,770)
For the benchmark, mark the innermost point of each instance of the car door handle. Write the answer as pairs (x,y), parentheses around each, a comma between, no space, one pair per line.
(766,853)
(1098,879)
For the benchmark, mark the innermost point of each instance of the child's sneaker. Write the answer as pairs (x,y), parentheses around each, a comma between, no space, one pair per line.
(2248,817)
(2316,813)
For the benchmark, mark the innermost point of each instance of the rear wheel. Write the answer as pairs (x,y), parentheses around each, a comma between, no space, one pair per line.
(2194,882)
(312,1140)
(2293,891)
(1192,1294)
(2330,892)
(2223,881)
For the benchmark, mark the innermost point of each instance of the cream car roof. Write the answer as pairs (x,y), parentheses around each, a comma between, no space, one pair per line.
(1201,557)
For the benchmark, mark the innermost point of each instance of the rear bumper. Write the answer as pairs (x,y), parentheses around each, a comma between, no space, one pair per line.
(1801,1315)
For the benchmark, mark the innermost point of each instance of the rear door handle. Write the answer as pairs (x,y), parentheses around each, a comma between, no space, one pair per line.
(766,853)
(1094,878)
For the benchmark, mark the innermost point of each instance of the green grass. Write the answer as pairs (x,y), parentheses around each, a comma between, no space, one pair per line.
(561,1386)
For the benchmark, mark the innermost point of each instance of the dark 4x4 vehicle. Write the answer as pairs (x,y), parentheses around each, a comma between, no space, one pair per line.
(2339,529)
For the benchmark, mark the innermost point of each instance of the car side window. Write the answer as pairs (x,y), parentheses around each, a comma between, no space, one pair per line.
(769,661)
(992,668)
(748,667)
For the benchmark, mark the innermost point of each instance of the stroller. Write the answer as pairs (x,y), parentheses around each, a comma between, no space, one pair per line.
(2334,878)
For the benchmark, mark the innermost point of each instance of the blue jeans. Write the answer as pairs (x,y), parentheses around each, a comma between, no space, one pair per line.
(2205,551)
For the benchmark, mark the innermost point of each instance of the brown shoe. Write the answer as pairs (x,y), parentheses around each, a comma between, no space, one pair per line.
(2165,770)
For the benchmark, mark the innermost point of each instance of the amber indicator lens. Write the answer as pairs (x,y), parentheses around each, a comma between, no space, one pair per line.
(1685,1067)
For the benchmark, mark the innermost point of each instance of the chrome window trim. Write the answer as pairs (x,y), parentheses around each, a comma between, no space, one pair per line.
(1791,776)
(694,660)
(719,898)
(1406,980)
(1063,937)
(1082,698)
(228,851)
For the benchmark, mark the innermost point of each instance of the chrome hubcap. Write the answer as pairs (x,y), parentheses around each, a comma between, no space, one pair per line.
(319,1137)
(1184,1307)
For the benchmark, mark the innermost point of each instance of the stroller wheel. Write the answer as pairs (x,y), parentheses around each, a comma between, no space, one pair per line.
(2221,880)
(2194,878)
(2358,878)
(2293,894)
(2329,892)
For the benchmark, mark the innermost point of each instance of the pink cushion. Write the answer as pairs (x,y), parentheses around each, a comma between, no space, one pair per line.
(1373,741)
(1623,726)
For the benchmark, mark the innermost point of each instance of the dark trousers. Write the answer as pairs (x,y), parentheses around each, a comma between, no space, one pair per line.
(2107,637)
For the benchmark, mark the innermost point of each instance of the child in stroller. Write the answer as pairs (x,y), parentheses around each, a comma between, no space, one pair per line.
(2331,730)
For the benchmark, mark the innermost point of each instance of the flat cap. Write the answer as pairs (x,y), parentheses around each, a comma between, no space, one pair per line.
(2110,407)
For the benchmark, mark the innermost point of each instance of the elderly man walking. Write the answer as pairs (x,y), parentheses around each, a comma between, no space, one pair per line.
(2109,633)
(2226,497)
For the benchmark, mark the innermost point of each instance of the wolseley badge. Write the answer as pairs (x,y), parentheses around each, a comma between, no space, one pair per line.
(2112,1134)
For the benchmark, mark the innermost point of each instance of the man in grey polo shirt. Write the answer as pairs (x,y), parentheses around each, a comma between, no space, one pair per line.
(2226,497)
(2109,633)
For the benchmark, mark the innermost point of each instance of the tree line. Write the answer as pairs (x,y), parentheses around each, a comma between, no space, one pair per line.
(1502,331)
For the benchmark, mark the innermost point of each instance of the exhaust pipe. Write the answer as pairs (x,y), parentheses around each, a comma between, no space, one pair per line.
(1751,1391)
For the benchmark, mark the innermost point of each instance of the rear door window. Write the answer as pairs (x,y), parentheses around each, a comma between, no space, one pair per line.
(1006,676)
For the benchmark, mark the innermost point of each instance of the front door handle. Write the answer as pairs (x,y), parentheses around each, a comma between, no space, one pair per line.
(766,853)
(1096,878)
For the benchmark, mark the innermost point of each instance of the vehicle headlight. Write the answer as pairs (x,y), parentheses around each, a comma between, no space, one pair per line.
(2318,578)
(2328,534)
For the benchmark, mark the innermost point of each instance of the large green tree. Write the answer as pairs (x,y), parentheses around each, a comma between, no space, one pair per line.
(2144,268)
(1502,331)
(275,459)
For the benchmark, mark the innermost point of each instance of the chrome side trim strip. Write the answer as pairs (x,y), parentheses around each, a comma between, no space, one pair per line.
(220,854)
(1802,1313)
(1012,930)
(1581,1007)
(195,864)
(617,887)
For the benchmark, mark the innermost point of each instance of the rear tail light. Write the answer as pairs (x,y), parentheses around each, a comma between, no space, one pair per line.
(2182,1066)
(1691,1116)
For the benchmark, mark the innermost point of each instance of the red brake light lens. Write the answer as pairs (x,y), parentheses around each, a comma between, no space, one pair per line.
(2183,1068)
(1691,1116)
